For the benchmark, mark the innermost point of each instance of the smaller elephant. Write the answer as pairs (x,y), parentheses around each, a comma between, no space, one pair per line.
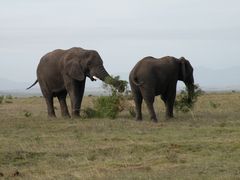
(151,77)
(63,72)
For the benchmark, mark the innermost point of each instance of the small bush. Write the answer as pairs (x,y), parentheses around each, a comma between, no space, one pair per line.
(9,96)
(27,114)
(89,113)
(8,101)
(184,103)
(1,99)
(214,105)
(108,106)
(172,156)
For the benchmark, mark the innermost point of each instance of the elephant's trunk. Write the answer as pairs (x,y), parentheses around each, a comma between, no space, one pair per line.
(104,76)
(190,89)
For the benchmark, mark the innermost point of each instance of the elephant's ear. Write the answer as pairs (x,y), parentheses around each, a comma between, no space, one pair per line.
(74,69)
(183,68)
(186,68)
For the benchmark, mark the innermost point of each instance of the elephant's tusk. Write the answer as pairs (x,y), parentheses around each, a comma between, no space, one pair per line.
(96,78)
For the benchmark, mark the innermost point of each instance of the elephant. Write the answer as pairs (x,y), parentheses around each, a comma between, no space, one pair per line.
(63,72)
(158,76)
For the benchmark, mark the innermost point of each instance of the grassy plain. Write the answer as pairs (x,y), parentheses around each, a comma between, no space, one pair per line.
(203,144)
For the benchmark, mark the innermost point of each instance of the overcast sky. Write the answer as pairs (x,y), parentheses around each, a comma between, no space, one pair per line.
(207,32)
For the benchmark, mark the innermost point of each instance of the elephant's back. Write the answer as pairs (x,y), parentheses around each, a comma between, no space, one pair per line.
(155,72)
(48,69)
(141,72)
(145,65)
(52,56)
(149,63)
(51,59)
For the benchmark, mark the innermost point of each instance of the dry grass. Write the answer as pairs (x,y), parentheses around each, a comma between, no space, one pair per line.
(203,144)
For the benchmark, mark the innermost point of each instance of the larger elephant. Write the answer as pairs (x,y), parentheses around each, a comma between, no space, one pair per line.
(151,77)
(63,72)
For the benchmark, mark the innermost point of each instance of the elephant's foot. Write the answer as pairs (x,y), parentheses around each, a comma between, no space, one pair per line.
(138,118)
(66,116)
(155,120)
(75,116)
(169,117)
(168,114)
(51,116)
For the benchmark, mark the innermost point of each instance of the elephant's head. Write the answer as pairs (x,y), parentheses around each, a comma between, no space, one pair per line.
(186,75)
(87,63)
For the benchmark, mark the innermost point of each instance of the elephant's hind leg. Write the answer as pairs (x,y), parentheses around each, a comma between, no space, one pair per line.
(63,104)
(151,110)
(138,102)
(149,100)
(138,105)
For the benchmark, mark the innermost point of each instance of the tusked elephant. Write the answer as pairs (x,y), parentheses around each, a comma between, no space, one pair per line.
(151,77)
(63,72)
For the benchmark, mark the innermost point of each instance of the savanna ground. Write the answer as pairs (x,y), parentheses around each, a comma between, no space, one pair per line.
(204,144)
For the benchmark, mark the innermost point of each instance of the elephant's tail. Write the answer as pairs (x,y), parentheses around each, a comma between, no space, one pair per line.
(135,81)
(32,84)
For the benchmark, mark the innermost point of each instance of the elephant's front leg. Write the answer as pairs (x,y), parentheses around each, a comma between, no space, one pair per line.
(137,97)
(169,110)
(169,105)
(49,102)
(63,104)
(76,95)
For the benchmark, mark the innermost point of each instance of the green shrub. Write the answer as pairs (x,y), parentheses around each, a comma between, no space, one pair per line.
(89,113)
(183,103)
(214,105)
(1,99)
(108,106)
(9,96)
(27,113)
(8,101)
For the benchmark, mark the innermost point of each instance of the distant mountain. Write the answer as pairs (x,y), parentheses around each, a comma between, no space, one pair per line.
(227,79)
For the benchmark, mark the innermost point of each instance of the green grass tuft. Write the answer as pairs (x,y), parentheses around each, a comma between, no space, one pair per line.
(183,103)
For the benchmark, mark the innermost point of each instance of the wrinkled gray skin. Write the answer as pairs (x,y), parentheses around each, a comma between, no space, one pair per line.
(151,77)
(63,72)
